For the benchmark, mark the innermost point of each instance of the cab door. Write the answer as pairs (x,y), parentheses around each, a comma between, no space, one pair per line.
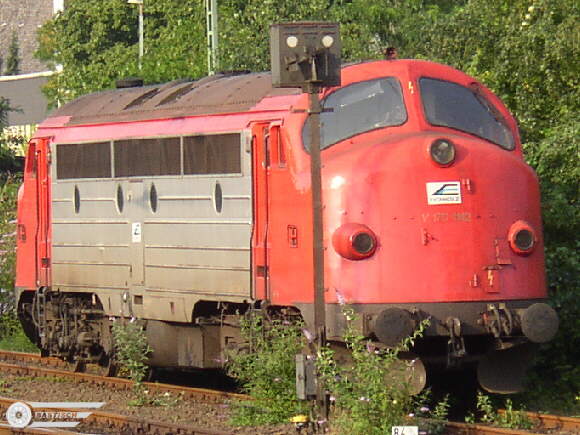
(42,162)
(260,162)
(268,159)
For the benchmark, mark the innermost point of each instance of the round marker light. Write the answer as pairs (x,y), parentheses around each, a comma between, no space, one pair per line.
(363,243)
(522,238)
(354,241)
(292,41)
(442,151)
(327,41)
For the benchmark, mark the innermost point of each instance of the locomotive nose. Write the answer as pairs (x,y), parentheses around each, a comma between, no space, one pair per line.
(539,323)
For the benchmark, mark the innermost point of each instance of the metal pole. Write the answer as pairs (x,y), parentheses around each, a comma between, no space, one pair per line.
(314,110)
(211,10)
(140,31)
(140,35)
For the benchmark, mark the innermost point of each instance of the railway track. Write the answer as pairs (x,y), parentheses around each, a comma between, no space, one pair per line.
(43,367)
(551,422)
(24,364)
(110,423)
(119,424)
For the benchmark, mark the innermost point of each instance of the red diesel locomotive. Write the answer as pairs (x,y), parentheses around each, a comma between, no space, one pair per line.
(188,204)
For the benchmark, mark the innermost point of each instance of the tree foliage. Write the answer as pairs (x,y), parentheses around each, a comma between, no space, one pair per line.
(13,61)
(96,43)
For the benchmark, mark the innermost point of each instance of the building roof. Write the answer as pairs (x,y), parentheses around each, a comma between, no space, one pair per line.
(24,93)
(23,18)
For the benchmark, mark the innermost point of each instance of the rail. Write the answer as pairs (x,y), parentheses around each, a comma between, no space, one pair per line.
(20,369)
(113,423)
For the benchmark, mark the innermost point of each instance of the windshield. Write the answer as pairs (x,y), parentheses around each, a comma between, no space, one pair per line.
(358,108)
(451,105)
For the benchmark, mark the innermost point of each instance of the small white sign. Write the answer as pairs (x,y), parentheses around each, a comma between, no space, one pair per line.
(405,430)
(444,192)
(25,414)
(136,232)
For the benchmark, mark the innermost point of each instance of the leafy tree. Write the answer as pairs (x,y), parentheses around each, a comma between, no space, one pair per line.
(4,109)
(13,61)
(244,28)
(96,42)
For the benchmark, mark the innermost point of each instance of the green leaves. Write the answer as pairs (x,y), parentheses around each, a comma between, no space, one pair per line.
(266,369)
(131,349)
(370,392)
(96,42)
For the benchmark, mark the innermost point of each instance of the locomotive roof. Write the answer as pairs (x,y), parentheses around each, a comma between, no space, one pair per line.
(220,93)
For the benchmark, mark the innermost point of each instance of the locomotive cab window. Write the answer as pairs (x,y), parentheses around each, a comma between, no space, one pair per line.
(359,108)
(451,105)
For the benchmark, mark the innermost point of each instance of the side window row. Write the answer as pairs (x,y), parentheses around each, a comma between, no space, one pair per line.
(190,155)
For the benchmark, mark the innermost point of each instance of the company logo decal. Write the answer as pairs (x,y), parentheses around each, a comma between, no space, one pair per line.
(444,192)
(48,414)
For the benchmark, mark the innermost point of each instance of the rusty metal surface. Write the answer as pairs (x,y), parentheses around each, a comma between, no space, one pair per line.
(551,422)
(211,95)
(35,358)
(202,394)
(454,428)
(114,422)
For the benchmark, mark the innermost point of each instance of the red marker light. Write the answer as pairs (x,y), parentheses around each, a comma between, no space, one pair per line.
(354,241)
(522,238)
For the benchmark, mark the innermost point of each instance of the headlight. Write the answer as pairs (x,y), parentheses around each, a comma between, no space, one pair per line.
(354,241)
(522,238)
(442,152)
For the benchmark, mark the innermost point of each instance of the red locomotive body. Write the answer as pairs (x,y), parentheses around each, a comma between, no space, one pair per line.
(186,203)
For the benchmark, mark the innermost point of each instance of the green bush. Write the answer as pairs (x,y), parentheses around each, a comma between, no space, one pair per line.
(266,369)
(372,394)
(11,335)
(131,349)
(511,418)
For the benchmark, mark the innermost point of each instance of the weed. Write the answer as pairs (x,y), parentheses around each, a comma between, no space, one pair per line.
(266,368)
(510,419)
(52,379)
(5,387)
(370,396)
(14,339)
(11,335)
(144,398)
(433,422)
(131,349)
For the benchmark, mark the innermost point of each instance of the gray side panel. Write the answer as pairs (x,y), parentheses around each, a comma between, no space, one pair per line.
(190,246)
(89,248)
(186,249)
